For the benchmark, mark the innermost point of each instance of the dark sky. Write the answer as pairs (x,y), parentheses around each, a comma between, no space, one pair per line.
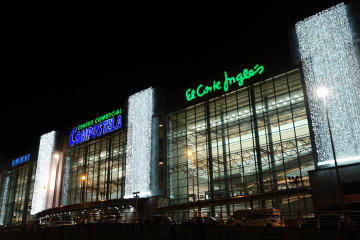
(63,64)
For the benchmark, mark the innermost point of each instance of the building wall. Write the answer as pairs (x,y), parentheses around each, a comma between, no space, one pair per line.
(102,162)
(16,194)
(325,187)
(245,142)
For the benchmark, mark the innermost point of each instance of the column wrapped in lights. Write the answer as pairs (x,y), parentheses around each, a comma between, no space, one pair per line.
(46,148)
(170,160)
(329,60)
(65,181)
(138,152)
(4,200)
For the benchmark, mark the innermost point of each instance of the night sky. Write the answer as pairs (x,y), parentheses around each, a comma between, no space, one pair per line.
(64,64)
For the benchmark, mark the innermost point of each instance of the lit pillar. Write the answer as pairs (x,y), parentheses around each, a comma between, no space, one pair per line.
(329,60)
(4,200)
(40,200)
(138,152)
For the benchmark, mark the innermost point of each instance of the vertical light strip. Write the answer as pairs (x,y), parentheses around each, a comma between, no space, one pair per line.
(46,148)
(329,60)
(66,181)
(4,201)
(171,166)
(138,152)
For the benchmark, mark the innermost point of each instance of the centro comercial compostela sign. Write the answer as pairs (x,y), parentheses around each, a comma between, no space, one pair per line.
(95,128)
(202,90)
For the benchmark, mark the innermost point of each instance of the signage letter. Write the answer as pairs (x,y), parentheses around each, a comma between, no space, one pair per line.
(100,130)
(95,128)
(197,91)
(71,139)
(118,122)
(216,85)
(228,81)
(190,96)
(89,132)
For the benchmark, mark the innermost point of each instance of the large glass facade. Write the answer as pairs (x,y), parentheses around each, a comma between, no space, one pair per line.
(16,194)
(95,171)
(250,141)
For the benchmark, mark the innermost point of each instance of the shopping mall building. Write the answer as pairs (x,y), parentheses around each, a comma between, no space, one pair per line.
(256,137)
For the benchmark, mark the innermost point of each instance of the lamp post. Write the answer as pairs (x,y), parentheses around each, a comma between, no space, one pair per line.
(190,155)
(323,92)
(136,196)
(296,181)
(83,185)
(57,158)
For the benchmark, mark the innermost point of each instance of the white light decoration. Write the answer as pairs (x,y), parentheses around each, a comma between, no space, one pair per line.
(341,160)
(170,159)
(66,181)
(4,200)
(138,152)
(329,60)
(46,148)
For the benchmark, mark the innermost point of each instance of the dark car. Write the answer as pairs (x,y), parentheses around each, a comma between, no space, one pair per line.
(40,226)
(336,221)
(201,220)
(331,221)
(157,219)
(62,223)
(310,223)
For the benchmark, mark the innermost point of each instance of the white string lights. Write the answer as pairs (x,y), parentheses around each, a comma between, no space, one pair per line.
(4,200)
(138,152)
(46,148)
(170,159)
(66,181)
(329,60)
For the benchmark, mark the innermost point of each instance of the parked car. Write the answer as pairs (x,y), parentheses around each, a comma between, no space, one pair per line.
(256,218)
(335,221)
(157,219)
(40,226)
(108,219)
(311,223)
(120,219)
(202,220)
(62,223)
(260,220)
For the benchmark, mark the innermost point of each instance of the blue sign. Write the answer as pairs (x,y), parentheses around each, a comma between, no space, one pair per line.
(20,160)
(97,130)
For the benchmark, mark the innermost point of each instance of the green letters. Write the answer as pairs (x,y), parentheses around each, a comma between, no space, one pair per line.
(201,90)
(190,94)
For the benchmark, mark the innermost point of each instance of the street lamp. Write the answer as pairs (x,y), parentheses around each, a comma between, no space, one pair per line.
(296,181)
(323,92)
(136,196)
(56,157)
(190,155)
(83,185)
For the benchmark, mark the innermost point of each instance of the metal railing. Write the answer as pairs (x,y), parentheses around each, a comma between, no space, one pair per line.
(320,220)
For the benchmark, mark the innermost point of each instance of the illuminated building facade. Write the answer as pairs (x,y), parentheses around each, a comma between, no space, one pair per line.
(248,140)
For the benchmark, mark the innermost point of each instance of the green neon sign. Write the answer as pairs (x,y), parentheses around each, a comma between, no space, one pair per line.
(202,90)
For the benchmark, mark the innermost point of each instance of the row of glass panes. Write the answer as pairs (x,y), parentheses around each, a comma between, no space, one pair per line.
(232,118)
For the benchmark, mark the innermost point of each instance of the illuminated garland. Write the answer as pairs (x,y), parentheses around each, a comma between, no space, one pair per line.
(66,181)
(138,152)
(4,200)
(46,148)
(171,165)
(329,60)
